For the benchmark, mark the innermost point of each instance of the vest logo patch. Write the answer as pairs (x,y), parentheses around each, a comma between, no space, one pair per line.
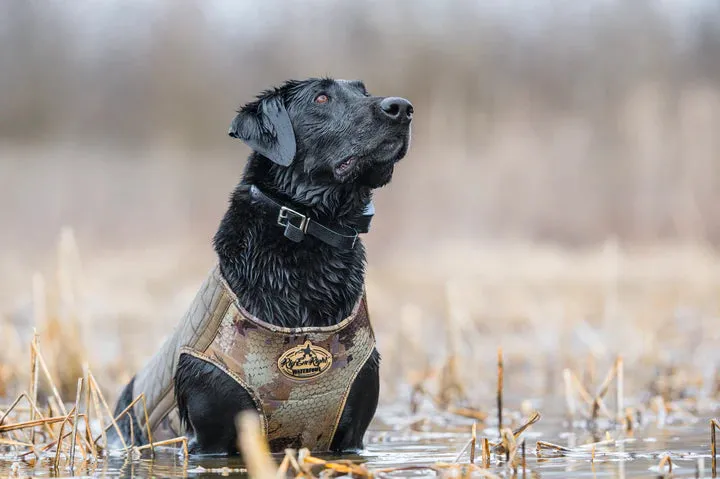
(304,362)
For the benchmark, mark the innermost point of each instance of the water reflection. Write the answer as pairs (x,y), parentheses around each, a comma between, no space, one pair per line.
(393,443)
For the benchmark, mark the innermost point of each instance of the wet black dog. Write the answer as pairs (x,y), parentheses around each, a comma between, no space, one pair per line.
(320,146)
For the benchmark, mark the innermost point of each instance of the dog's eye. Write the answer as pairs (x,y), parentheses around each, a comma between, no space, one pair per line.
(321,98)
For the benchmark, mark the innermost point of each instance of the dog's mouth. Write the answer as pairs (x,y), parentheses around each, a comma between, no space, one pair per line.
(386,153)
(345,166)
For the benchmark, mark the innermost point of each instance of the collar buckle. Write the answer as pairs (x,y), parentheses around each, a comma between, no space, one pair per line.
(287,215)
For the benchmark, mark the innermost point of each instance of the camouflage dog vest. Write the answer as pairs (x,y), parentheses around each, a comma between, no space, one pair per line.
(299,378)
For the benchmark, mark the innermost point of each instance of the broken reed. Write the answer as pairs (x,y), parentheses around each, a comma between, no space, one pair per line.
(594,402)
(40,433)
(500,389)
(714,427)
(665,460)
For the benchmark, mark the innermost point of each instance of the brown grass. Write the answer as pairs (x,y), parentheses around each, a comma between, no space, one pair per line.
(30,432)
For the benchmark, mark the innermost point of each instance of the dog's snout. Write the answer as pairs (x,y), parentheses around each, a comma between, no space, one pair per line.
(397,109)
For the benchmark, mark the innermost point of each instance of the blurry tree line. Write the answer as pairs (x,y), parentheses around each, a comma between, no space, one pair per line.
(553,120)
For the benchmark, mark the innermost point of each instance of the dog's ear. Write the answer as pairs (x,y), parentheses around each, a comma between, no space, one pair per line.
(265,126)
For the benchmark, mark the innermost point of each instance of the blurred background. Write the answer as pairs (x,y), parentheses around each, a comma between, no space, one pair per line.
(559,198)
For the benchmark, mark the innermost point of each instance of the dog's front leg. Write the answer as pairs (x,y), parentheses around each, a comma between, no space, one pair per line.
(359,408)
(208,401)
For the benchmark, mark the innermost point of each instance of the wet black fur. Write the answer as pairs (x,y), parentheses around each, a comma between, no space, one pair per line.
(297,145)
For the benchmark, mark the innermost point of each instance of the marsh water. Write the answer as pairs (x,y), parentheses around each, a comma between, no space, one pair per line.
(400,439)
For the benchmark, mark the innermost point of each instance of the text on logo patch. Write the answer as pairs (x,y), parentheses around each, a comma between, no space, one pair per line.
(305,361)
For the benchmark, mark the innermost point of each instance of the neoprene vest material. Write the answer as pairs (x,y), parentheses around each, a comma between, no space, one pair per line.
(299,378)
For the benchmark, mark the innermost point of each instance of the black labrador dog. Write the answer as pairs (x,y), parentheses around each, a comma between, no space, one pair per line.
(320,147)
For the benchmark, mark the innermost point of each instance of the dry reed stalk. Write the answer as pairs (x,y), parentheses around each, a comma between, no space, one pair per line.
(344,467)
(46,372)
(473,431)
(147,424)
(414,395)
(11,442)
(291,454)
(16,444)
(596,404)
(628,420)
(27,424)
(501,447)
(500,389)
(450,385)
(84,439)
(467,412)
(254,447)
(590,371)
(524,462)
(58,449)
(88,412)
(52,406)
(13,407)
(486,452)
(283,468)
(603,389)
(167,442)
(88,436)
(543,445)
(714,424)
(509,444)
(86,368)
(33,379)
(83,443)
(78,394)
(132,432)
(569,396)
(305,468)
(462,451)
(96,406)
(32,407)
(107,409)
(665,460)
(140,398)
(533,419)
(620,390)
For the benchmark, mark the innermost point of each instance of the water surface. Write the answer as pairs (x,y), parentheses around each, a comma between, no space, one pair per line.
(399,439)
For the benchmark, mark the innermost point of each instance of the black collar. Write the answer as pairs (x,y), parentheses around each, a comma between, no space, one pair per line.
(297,225)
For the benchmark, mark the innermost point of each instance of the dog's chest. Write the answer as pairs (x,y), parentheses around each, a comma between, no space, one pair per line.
(299,378)
(293,289)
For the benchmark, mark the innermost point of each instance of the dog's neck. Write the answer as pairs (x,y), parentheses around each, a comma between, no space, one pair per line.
(339,204)
(282,282)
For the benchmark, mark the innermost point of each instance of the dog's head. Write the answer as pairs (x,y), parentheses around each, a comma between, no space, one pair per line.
(324,131)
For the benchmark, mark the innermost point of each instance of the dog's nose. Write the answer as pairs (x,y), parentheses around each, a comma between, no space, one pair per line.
(397,109)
